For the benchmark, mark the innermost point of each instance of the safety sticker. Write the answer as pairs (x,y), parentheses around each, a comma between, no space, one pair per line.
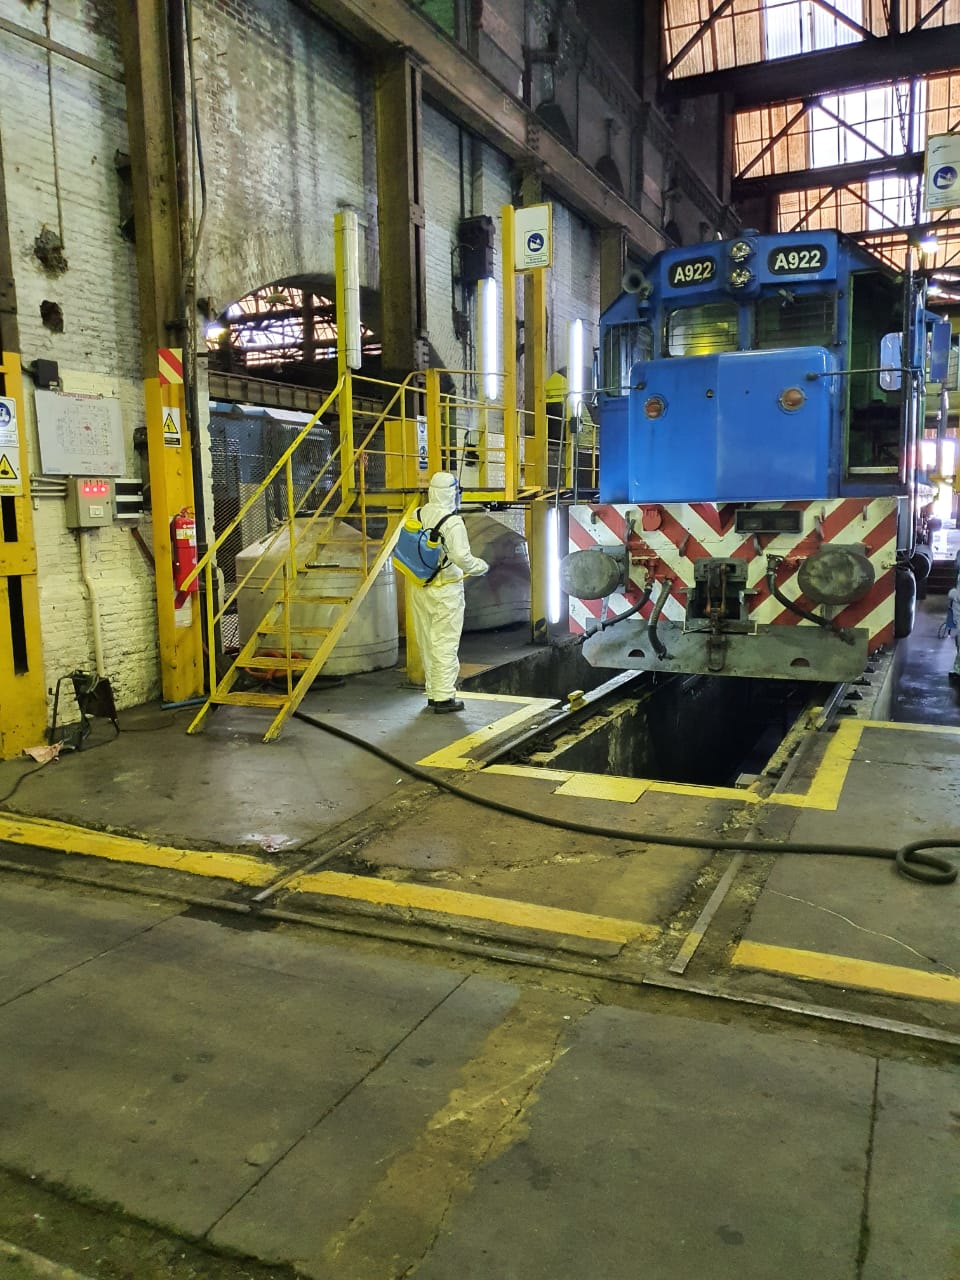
(172,437)
(11,475)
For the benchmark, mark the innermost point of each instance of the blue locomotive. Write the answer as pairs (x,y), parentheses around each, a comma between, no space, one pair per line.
(760,500)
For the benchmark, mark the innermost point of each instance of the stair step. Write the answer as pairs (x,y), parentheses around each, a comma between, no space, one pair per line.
(278,663)
(249,699)
(334,568)
(300,631)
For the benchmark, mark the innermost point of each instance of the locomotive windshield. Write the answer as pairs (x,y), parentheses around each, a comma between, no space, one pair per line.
(624,345)
(702,331)
(788,319)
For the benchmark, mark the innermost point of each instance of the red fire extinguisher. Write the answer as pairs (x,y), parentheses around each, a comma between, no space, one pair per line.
(183,534)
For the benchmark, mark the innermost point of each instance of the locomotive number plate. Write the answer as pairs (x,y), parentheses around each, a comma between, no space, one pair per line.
(797,259)
(692,271)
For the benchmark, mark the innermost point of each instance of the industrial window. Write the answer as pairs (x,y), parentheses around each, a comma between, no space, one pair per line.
(795,320)
(703,330)
(624,345)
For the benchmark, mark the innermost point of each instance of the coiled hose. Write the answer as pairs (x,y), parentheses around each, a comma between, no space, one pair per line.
(910,860)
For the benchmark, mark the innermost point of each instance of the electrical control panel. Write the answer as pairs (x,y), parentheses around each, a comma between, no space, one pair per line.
(89,502)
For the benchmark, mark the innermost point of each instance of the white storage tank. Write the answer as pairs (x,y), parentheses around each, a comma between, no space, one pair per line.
(369,642)
(501,596)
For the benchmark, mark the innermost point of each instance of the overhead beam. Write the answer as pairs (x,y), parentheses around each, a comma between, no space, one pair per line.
(851,66)
(456,82)
(838,175)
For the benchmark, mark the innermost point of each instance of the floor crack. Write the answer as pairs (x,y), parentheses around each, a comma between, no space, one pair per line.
(921,955)
(863,1246)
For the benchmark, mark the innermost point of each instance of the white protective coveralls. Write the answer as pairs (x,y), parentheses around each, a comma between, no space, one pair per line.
(438,606)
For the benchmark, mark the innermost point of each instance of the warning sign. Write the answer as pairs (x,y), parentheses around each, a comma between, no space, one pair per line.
(11,475)
(172,438)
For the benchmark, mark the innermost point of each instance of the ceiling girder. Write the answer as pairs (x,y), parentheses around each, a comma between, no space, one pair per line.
(840,175)
(876,61)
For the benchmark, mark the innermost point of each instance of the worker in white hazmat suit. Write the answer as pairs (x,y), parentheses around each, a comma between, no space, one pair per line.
(438,606)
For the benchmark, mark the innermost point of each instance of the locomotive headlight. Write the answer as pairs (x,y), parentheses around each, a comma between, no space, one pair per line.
(654,407)
(740,277)
(791,399)
(836,574)
(741,251)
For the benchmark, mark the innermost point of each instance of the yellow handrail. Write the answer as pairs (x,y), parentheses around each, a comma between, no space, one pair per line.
(257,493)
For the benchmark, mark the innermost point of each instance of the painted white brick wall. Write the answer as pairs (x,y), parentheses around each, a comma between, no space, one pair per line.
(286,115)
(99,348)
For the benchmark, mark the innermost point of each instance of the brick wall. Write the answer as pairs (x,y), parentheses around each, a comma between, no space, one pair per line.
(286,115)
(99,347)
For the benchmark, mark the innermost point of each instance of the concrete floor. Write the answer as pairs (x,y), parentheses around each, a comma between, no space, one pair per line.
(392,850)
(389,1106)
(355,1114)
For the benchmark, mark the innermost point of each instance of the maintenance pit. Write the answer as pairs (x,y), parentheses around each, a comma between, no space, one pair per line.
(698,730)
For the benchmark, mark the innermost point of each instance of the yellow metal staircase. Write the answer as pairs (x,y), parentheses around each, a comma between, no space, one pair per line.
(327,562)
(281,649)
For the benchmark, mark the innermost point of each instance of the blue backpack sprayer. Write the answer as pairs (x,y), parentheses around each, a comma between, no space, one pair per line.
(420,553)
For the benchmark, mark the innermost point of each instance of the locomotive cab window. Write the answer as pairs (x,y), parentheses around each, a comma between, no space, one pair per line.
(702,331)
(624,345)
(790,319)
(874,417)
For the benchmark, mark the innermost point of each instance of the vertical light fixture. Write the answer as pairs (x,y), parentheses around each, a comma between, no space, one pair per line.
(553,565)
(488,306)
(575,370)
(350,317)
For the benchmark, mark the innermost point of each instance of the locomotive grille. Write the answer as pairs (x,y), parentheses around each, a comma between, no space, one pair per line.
(790,321)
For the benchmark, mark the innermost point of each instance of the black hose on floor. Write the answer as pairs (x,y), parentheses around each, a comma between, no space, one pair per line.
(910,859)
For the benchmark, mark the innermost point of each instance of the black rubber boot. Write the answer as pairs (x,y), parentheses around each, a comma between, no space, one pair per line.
(451,704)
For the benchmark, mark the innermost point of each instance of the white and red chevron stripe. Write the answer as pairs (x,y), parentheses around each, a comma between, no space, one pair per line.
(666,539)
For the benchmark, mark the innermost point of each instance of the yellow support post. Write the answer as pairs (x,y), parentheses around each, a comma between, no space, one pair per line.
(434,422)
(415,672)
(23,703)
(151,116)
(511,443)
(536,518)
(171,489)
(535,352)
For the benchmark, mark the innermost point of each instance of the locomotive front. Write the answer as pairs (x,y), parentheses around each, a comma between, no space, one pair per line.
(756,507)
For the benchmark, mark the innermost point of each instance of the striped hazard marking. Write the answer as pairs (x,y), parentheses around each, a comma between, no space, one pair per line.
(170,364)
(667,540)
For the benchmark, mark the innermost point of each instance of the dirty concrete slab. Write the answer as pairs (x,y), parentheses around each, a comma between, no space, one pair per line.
(226,787)
(44,932)
(857,907)
(168,1074)
(365,1138)
(452,843)
(666,1147)
(914,1202)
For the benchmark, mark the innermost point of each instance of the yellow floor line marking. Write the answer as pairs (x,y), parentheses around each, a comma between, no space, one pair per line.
(457,755)
(530,771)
(46,833)
(847,971)
(827,782)
(474,906)
(598,786)
(950,731)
